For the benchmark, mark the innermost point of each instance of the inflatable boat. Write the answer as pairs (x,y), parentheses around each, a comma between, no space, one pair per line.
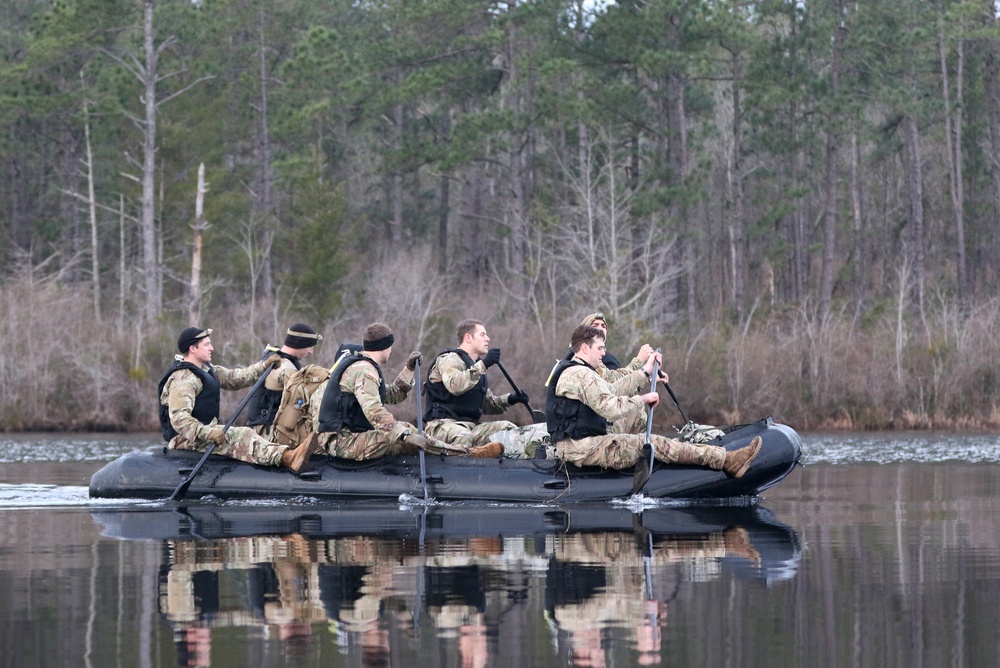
(156,472)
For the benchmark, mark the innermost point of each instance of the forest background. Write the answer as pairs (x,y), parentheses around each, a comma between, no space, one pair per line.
(799,201)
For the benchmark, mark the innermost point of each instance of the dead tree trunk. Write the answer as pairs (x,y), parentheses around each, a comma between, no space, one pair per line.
(92,200)
(194,308)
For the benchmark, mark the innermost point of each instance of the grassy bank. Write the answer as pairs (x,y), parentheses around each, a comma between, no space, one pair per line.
(63,370)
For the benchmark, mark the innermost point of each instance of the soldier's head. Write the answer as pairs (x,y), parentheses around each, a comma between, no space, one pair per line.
(195,345)
(377,342)
(588,344)
(472,338)
(597,320)
(300,339)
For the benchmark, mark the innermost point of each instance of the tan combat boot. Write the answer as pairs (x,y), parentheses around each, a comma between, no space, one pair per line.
(295,458)
(738,461)
(311,444)
(494,449)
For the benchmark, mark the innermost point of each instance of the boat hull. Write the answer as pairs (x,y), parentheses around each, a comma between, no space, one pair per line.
(155,473)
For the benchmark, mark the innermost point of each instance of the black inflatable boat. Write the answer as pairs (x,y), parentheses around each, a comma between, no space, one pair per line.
(156,472)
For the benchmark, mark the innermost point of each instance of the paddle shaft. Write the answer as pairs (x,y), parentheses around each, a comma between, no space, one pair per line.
(514,387)
(183,487)
(649,418)
(420,426)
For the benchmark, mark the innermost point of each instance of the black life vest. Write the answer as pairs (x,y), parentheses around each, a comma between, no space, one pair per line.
(264,402)
(341,409)
(609,360)
(441,403)
(570,418)
(206,404)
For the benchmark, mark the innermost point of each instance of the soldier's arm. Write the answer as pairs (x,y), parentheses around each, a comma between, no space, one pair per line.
(456,377)
(362,380)
(180,393)
(237,379)
(278,377)
(315,401)
(614,375)
(400,388)
(633,382)
(596,393)
(495,405)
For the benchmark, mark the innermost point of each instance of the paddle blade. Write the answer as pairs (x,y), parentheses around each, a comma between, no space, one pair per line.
(642,469)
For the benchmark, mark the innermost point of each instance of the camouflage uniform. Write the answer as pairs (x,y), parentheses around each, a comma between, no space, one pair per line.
(613,402)
(241,443)
(275,381)
(362,380)
(450,370)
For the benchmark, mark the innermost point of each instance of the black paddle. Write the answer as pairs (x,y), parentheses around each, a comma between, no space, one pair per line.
(183,487)
(644,467)
(676,403)
(420,428)
(537,416)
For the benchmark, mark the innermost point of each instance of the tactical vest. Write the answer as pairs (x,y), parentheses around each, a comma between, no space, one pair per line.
(441,403)
(570,418)
(264,402)
(206,404)
(341,409)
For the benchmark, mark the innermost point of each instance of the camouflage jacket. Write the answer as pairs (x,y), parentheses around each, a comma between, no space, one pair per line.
(278,377)
(362,381)
(459,379)
(613,375)
(612,401)
(182,388)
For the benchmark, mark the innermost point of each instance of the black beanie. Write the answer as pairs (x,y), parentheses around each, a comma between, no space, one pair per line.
(301,335)
(190,336)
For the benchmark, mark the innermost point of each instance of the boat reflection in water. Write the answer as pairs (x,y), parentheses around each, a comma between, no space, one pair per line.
(529,584)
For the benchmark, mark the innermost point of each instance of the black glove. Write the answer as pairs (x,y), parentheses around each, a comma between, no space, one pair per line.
(519,397)
(492,357)
(411,361)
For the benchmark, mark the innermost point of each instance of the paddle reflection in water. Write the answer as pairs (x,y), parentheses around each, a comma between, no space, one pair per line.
(413,586)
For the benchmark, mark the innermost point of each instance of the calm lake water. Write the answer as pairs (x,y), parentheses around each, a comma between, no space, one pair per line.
(884,550)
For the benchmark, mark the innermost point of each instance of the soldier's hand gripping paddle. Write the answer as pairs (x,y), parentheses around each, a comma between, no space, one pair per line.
(644,467)
(536,416)
(183,487)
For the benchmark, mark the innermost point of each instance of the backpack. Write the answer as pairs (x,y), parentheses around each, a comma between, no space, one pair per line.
(291,422)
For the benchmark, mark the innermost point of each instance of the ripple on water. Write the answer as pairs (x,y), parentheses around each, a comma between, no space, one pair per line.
(51,447)
(57,496)
(897,448)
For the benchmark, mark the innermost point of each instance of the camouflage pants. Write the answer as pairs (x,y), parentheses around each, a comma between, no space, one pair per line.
(620,451)
(523,442)
(242,443)
(266,431)
(359,446)
(633,423)
(469,434)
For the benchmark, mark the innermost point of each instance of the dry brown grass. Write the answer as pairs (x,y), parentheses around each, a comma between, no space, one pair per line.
(64,371)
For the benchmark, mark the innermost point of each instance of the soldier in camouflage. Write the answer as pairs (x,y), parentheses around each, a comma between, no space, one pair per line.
(350,418)
(300,339)
(611,370)
(189,395)
(580,403)
(458,392)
